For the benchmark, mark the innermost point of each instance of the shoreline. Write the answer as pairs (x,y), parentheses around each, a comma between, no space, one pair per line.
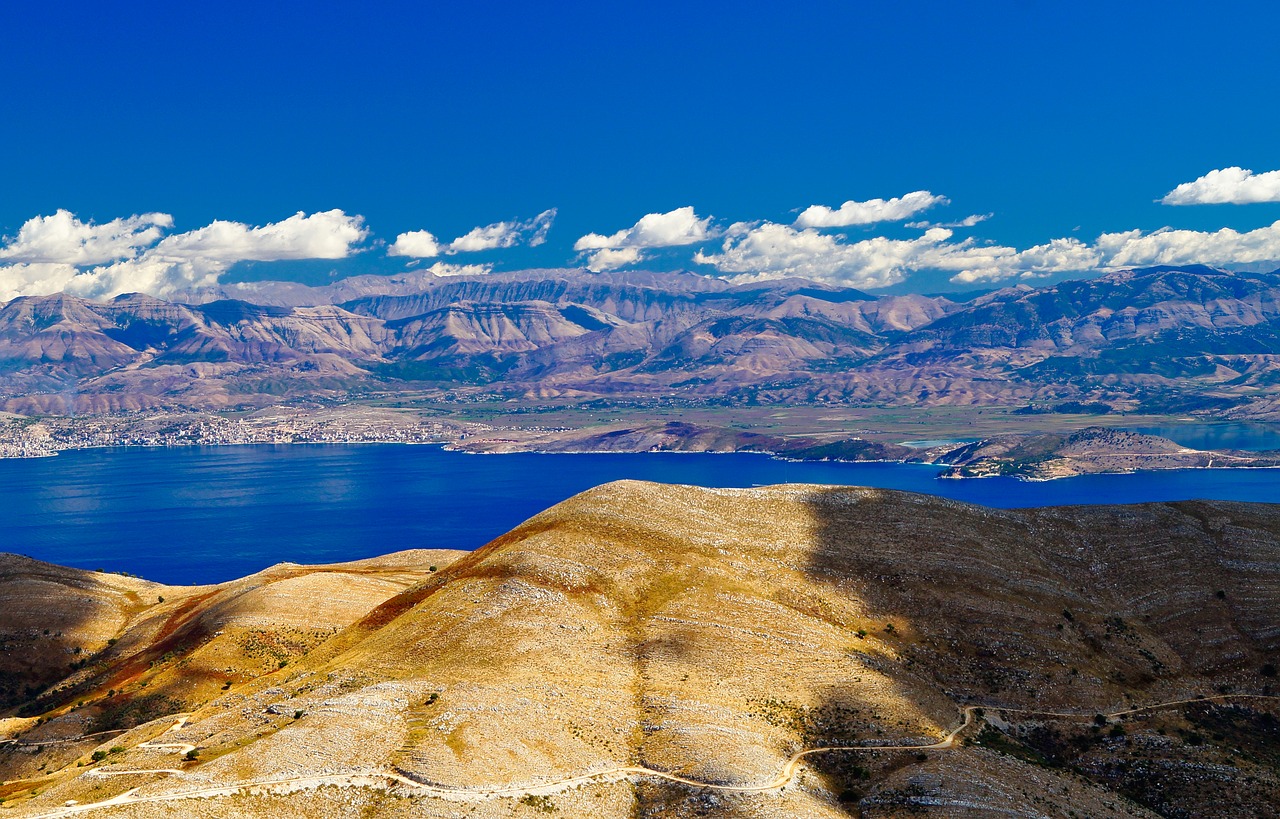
(452,446)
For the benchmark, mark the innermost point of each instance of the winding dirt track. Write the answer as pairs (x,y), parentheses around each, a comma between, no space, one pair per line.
(381,779)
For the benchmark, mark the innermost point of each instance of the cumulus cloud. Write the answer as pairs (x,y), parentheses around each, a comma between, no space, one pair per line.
(421,244)
(1227,186)
(991,263)
(1167,246)
(197,258)
(771,251)
(447,269)
(145,274)
(868,212)
(1134,248)
(34,279)
(325,235)
(611,258)
(61,253)
(674,228)
(64,239)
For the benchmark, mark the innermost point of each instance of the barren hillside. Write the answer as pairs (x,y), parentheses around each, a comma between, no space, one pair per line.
(649,650)
(1165,340)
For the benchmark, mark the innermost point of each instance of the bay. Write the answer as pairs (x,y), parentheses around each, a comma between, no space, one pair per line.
(203,515)
(1243,435)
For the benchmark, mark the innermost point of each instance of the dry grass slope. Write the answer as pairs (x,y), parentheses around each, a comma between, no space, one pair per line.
(709,634)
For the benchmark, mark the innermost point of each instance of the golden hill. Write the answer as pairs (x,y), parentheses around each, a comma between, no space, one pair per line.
(649,650)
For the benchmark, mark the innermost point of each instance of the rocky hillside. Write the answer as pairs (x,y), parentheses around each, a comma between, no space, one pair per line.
(1161,340)
(649,650)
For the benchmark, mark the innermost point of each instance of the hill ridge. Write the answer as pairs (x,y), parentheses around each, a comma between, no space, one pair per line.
(717,634)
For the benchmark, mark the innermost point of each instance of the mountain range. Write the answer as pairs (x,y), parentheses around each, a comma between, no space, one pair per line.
(1159,340)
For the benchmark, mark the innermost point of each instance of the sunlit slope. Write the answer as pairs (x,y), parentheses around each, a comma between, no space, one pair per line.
(710,635)
(87,652)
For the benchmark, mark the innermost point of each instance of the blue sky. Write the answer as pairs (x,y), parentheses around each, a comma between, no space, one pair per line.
(1060,120)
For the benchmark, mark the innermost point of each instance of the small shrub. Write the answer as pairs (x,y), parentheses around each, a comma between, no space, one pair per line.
(192,755)
(538,803)
(98,756)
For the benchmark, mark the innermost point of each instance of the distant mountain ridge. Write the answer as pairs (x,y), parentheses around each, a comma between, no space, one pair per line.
(1181,338)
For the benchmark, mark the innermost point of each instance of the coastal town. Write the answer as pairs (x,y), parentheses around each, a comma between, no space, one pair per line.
(26,437)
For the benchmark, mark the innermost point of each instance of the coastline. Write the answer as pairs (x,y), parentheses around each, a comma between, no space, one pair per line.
(452,445)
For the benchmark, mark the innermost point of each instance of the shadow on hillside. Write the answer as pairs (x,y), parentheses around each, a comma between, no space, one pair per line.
(658,798)
(41,618)
(1078,608)
(922,570)
(58,650)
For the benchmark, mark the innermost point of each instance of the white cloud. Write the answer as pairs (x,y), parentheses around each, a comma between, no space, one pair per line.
(611,258)
(1167,246)
(64,239)
(532,232)
(324,235)
(184,261)
(423,245)
(868,212)
(1227,186)
(146,274)
(417,243)
(771,251)
(674,228)
(968,221)
(1132,248)
(989,263)
(447,269)
(34,279)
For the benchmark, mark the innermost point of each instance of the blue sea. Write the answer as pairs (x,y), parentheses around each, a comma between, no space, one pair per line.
(202,515)
(1228,435)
